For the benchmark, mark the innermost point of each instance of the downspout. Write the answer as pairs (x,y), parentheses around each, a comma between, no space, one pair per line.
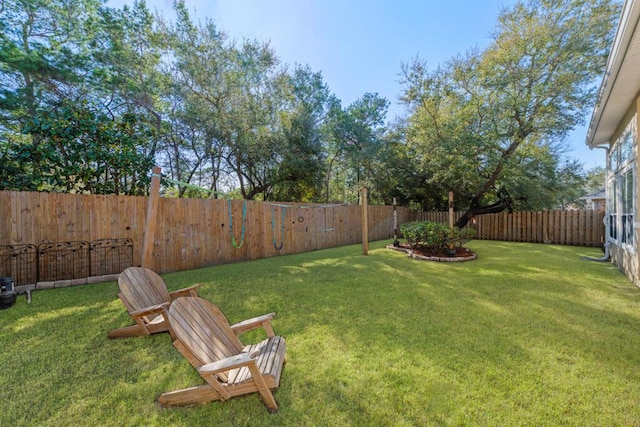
(605,257)
(605,220)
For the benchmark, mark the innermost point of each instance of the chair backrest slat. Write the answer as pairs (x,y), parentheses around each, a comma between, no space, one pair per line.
(142,288)
(203,329)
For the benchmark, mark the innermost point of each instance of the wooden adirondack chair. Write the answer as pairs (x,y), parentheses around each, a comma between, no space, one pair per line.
(146,298)
(205,338)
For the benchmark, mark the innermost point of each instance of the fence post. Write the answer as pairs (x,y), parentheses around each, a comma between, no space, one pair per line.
(451,209)
(365,222)
(395,223)
(150,223)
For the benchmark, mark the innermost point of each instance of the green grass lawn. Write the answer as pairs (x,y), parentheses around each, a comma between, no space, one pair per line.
(525,335)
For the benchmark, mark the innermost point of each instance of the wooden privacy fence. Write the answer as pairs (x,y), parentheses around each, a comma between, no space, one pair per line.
(189,233)
(80,233)
(575,227)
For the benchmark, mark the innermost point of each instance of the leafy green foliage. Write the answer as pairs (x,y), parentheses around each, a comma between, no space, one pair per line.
(57,130)
(595,180)
(458,237)
(435,237)
(356,139)
(497,118)
(44,54)
(229,117)
(236,113)
(431,236)
(79,150)
(127,76)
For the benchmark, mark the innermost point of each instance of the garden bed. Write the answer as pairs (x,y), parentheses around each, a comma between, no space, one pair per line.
(461,255)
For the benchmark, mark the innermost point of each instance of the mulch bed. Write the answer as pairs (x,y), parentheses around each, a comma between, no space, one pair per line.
(462,254)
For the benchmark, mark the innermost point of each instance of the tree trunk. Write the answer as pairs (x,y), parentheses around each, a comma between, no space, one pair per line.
(504,203)
(480,210)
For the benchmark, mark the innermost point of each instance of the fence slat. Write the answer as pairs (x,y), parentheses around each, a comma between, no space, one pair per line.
(579,228)
(193,233)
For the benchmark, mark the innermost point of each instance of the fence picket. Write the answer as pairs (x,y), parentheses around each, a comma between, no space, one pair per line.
(578,228)
(193,233)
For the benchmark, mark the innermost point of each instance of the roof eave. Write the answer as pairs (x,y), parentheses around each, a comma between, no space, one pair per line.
(624,35)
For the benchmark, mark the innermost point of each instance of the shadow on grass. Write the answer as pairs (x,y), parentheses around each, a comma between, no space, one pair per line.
(533,326)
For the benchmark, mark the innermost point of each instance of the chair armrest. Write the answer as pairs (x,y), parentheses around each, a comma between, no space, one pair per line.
(154,309)
(254,323)
(232,362)
(190,291)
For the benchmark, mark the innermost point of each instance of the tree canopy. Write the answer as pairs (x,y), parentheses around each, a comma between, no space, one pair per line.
(490,124)
(92,96)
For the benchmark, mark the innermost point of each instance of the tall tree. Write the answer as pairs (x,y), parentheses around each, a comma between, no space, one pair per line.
(238,113)
(84,150)
(482,114)
(595,179)
(357,137)
(193,143)
(68,118)
(128,53)
(309,102)
(44,55)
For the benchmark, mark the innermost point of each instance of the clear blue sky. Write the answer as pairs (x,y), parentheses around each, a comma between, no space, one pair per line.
(359,45)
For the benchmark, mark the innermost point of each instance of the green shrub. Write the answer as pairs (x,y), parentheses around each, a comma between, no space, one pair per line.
(426,235)
(412,231)
(461,236)
(435,236)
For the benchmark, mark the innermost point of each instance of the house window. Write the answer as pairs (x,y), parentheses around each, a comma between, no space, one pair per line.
(622,189)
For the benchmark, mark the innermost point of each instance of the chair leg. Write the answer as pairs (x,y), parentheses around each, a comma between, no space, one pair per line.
(188,396)
(264,391)
(127,331)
